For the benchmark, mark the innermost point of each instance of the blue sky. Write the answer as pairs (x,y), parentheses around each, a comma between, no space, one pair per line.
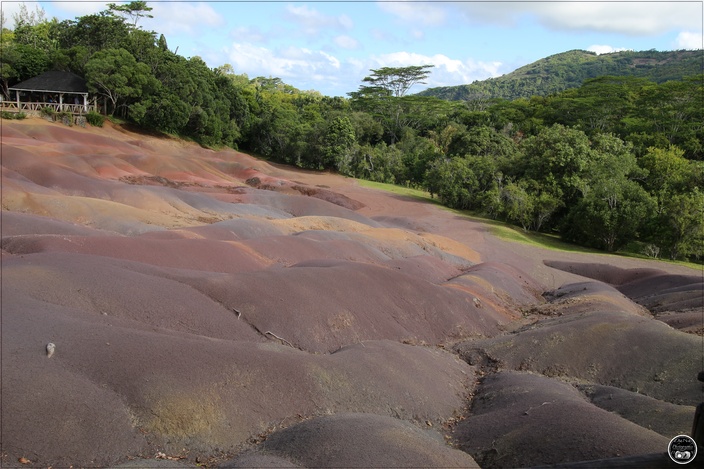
(331,46)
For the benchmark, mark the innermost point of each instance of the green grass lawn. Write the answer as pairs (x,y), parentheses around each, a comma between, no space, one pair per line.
(511,233)
(400,190)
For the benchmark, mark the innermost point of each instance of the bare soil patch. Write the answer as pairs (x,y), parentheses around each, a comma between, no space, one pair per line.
(201,320)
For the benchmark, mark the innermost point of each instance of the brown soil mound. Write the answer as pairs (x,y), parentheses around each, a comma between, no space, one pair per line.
(195,316)
(323,306)
(691,321)
(363,440)
(666,292)
(653,359)
(586,297)
(194,254)
(675,299)
(661,417)
(329,196)
(258,461)
(159,388)
(653,288)
(606,273)
(522,419)
(16,223)
(504,284)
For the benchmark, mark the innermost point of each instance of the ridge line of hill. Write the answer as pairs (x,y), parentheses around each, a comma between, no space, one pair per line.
(570,69)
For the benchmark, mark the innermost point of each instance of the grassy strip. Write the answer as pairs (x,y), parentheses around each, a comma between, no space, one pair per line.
(542,240)
(512,233)
(400,190)
(499,229)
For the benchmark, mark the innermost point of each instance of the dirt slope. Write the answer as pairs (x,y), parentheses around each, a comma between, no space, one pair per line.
(214,309)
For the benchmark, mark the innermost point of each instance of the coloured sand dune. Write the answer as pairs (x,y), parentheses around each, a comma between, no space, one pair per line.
(210,309)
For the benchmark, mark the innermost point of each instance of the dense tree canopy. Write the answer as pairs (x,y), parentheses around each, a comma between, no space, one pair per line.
(614,162)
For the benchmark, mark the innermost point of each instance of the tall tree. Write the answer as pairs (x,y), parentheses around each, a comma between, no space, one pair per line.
(384,97)
(557,159)
(115,74)
(611,214)
(97,32)
(134,10)
(396,81)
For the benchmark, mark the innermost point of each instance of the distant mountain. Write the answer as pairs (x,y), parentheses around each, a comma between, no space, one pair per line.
(570,69)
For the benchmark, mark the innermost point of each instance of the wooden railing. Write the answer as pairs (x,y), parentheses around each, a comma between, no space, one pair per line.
(13,106)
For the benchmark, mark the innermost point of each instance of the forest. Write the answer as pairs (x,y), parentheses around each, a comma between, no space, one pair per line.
(616,162)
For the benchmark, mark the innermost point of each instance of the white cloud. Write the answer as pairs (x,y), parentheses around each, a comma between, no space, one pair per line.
(604,49)
(381,35)
(346,42)
(447,71)
(632,18)
(250,34)
(331,60)
(345,21)
(73,9)
(315,69)
(689,40)
(417,13)
(289,63)
(417,34)
(311,21)
(173,18)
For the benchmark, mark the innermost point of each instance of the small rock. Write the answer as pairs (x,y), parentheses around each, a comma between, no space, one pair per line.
(50,349)
(24,461)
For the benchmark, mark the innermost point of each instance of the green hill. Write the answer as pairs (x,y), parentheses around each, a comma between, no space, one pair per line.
(570,69)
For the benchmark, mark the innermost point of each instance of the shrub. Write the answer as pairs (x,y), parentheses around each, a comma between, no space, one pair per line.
(48,111)
(65,117)
(95,119)
(13,115)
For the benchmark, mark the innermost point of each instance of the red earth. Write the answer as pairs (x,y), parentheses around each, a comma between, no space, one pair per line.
(209,308)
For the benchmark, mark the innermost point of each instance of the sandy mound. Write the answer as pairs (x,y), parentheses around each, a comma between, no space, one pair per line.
(194,254)
(586,297)
(661,417)
(208,307)
(162,389)
(691,321)
(362,440)
(320,307)
(653,359)
(519,420)
(90,287)
(655,289)
(675,299)
(15,224)
(606,273)
(500,284)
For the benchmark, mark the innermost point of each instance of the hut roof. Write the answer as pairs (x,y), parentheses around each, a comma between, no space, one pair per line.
(55,82)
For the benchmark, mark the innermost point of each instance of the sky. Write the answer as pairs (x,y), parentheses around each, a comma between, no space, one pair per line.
(330,46)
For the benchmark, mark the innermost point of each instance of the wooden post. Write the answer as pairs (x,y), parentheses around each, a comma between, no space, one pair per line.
(61,102)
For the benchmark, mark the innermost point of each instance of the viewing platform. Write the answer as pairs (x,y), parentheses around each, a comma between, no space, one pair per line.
(56,91)
(36,107)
